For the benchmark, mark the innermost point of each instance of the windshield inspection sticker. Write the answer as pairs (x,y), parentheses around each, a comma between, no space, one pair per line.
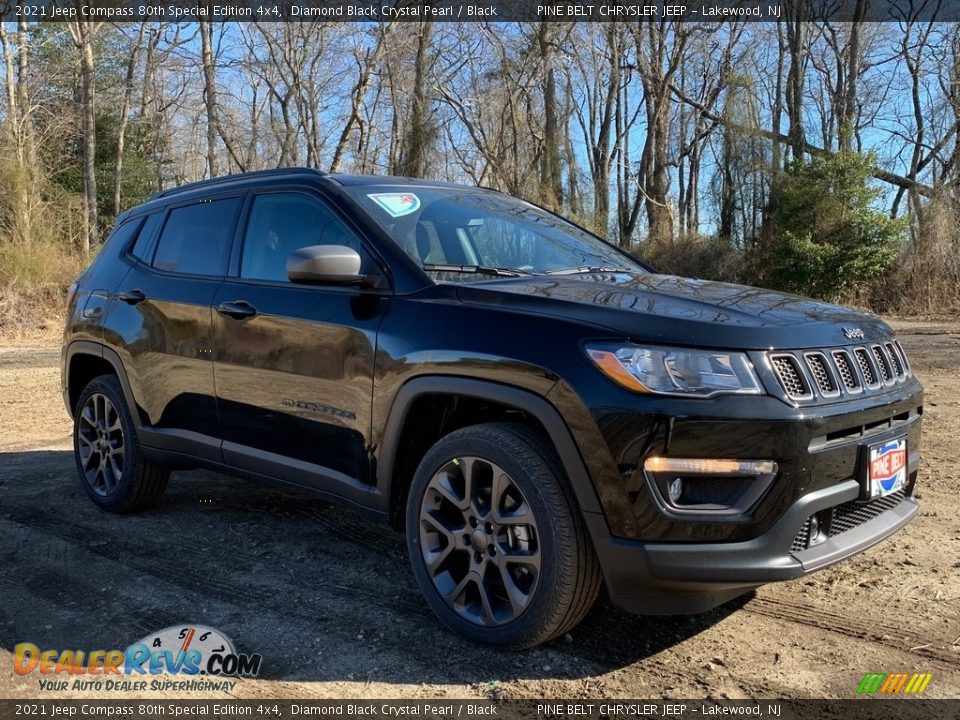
(396,204)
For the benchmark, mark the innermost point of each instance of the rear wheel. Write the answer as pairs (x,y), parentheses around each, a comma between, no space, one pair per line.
(497,543)
(111,465)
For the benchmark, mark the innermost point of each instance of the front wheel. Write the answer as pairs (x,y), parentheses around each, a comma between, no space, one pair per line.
(497,543)
(113,471)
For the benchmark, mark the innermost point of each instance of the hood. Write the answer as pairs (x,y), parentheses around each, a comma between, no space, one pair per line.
(672,310)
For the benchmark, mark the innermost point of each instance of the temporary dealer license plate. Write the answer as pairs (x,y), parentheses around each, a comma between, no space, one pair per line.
(887,471)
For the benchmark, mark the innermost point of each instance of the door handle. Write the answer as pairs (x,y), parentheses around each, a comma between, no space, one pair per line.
(131,297)
(237,309)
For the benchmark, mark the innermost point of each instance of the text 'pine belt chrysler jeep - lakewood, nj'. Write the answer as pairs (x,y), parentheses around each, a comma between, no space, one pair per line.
(540,412)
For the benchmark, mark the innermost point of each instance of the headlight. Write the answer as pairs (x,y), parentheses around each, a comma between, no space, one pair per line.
(676,371)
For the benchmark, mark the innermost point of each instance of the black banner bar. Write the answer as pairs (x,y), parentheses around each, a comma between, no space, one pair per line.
(473,10)
(890,708)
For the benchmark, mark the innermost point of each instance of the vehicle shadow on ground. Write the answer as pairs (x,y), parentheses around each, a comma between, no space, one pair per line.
(319,592)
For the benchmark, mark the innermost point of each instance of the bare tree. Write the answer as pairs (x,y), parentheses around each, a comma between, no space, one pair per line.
(661,49)
(128,88)
(367,60)
(83,33)
(420,134)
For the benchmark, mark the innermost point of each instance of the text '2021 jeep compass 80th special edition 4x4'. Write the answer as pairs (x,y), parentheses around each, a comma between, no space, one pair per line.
(540,412)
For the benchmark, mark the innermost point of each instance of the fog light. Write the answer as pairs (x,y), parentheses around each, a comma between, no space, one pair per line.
(676,490)
(709,467)
(722,488)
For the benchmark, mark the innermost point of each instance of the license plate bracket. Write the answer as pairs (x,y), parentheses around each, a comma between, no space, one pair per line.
(884,468)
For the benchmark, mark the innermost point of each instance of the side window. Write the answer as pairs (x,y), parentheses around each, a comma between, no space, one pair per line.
(144,244)
(283,222)
(124,233)
(196,238)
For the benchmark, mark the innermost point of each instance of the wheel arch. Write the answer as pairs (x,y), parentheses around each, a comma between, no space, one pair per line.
(393,471)
(86,360)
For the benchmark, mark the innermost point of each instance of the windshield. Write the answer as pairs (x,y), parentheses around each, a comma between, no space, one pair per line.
(477,234)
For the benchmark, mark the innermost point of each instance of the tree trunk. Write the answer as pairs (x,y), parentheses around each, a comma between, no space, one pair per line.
(848,117)
(83,33)
(209,94)
(124,119)
(419,137)
(795,75)
(551,187)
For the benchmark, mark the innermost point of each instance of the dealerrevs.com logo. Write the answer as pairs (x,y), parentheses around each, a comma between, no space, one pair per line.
(191,651)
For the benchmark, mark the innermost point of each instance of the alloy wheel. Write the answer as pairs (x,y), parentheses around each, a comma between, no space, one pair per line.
(479,541)
(100,444)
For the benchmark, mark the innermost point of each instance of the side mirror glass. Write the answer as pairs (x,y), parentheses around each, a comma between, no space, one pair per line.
(325,265)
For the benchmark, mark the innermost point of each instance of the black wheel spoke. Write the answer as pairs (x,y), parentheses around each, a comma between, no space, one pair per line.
(446,483)
(517,597)
(486,606)
(454,595)
(114,469)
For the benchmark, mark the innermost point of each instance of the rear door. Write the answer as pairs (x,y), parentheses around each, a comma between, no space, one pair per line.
(294,363)
(161,319)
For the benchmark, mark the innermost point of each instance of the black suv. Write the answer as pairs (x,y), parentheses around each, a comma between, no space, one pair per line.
(542,413)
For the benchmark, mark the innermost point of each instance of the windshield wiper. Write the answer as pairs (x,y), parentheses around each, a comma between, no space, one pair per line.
(586,269)
(478,269)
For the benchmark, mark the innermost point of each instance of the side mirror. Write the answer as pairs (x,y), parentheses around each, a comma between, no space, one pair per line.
(325,264)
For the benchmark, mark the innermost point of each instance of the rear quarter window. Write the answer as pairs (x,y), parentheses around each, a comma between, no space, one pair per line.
(196,239)
(123,234)
(143,248)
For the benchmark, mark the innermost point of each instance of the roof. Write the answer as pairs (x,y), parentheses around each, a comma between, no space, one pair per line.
(212,183)
(350,180)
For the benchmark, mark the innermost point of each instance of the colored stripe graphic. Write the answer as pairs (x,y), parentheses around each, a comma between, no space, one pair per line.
(871,683)
(911,683)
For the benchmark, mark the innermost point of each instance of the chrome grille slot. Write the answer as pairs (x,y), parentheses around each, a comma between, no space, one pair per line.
(882,364)
(850,381)
(865,367)
(895,358)
(903,357)
(791,377)
(817,362)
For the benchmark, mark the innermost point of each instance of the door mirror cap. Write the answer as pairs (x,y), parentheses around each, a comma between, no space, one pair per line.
(325,265)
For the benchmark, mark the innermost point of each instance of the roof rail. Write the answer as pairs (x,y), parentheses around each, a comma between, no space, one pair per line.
(211,182)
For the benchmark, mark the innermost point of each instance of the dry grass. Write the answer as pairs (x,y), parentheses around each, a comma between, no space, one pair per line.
(697,256)
(33,286)
(928,279)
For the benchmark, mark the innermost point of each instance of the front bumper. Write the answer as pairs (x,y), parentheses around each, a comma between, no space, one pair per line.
(674,578)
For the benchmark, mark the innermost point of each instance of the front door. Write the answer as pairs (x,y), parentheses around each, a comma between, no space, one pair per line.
(294,363)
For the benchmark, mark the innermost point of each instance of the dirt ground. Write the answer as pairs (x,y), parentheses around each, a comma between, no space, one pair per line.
(330,603)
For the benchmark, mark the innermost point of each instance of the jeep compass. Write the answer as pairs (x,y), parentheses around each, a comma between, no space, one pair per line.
(539,412)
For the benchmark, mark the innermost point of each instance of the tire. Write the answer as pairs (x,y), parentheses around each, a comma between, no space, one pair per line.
(112,469)
(496,540)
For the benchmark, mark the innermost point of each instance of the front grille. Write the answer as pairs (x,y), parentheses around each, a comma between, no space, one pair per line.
(841,518)
(852,514)
(825,374)
(802,539)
